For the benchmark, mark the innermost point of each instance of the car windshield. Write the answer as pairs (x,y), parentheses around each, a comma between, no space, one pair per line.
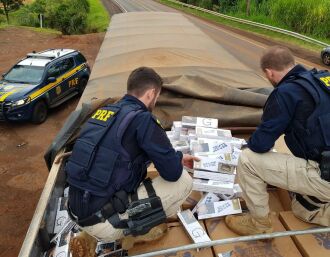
(25,74)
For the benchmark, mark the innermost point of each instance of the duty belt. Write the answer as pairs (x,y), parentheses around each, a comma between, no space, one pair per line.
(110,210)
(310,203)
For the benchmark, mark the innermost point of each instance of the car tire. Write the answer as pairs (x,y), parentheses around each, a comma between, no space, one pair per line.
(40,112)
(326,59)
(82,85)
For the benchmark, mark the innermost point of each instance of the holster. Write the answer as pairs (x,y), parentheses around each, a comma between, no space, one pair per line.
(325,165)
(144,214)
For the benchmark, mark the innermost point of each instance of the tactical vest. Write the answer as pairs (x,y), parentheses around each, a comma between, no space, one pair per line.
(99,164)
(309,140)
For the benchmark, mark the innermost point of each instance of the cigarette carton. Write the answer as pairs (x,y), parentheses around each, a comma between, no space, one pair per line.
(213,164)
(225,158)
(62,246)
(192,226)
(211,146)
(237,193)
(212,133)
(181,146)
(213,186)
(62,216)
(217,176)
(219,209)
(177,125)
(207,198)
(192,122)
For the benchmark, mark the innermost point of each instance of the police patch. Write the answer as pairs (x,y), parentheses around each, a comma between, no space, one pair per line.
(324,78)
(102,115)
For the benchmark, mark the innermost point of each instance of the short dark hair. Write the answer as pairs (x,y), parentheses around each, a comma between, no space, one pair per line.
(142,79)
(277,58)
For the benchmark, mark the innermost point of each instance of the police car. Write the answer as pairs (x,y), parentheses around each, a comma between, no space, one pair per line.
(325,55)
(41,81)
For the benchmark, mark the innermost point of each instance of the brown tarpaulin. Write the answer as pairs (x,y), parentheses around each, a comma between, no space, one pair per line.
(201,78)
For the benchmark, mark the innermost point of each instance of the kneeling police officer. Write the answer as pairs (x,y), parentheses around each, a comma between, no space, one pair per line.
(109,197)
(298,108)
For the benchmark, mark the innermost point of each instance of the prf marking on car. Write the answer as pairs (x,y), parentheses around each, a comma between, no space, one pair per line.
(326,80)
(102,115)
(73,82)
(58,81)
(4,96)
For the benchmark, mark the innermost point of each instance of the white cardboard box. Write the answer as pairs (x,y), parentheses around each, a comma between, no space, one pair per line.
(192,226)
(219,209)
(213,186)
(191,122)
(218,176)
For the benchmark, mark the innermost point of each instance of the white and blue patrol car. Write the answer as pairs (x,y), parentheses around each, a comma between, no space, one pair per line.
(41,81)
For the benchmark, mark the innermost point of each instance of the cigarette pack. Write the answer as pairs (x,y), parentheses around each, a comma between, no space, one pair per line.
(212,146)
(207,198)
(62,216)
(213,164)
(193,227)
(217,176)
(219,209)
(192,122)
(212,133)
(213,186)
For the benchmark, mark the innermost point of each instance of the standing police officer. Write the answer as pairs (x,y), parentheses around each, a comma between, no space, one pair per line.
(109,161)
(298,108)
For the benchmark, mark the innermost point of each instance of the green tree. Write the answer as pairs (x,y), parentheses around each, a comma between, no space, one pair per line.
(10,5)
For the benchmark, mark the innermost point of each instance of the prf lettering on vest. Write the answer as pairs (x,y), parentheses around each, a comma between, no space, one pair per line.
(102,115)
(326,80)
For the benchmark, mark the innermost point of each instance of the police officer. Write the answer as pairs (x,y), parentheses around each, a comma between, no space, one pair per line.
(109,161)
(298,108)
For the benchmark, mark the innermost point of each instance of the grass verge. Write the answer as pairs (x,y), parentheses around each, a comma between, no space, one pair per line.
(40,30)
(258,31)
(98,18)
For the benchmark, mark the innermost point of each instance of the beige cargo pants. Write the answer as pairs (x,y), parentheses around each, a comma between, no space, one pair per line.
(172,195)
(285,171)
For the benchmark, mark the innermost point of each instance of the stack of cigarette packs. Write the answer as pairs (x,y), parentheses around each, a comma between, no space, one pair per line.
(215,173)
(65,229)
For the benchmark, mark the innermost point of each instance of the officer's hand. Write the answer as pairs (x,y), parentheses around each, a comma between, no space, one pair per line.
(188,160)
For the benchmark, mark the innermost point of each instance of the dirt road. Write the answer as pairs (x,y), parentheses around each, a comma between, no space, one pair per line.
(22,169)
